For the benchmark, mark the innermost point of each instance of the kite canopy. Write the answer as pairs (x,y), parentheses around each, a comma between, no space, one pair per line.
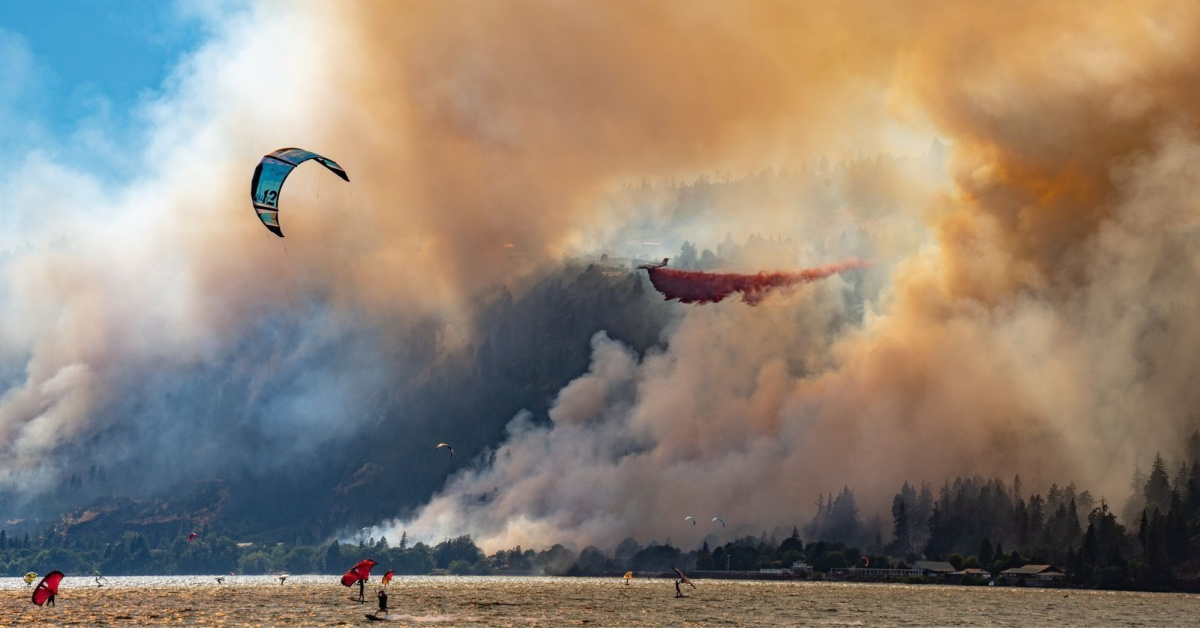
(690,518)
(684,578)
(30,577)
(47,588)
(387,577)
(192,537)
(445,446)
(718,519)
(629,575)
(361,571)
(268,180)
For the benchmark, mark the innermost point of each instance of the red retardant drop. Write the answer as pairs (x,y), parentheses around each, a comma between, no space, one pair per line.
(691,286)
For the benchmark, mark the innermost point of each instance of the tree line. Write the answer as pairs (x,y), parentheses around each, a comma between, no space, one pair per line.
(969,522)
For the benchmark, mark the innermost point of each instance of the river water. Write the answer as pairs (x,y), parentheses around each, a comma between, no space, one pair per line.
(510,601)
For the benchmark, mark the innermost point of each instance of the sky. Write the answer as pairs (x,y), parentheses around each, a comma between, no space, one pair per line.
(83,70)
(1036,293)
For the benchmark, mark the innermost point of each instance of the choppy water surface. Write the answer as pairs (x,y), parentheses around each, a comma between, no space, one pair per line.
(503,601)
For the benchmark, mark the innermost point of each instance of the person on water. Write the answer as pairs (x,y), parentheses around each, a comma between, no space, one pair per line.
(382,603)
(362,586)
(678,593)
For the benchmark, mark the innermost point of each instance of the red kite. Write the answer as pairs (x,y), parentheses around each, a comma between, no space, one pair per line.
(47,588)
(361,571)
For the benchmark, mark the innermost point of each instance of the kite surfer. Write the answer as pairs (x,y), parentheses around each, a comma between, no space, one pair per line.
(362,585)
(682,579)
(382,602)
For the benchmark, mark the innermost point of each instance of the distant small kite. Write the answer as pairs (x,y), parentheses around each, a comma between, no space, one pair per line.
(690,518)
(192,537)
(446,446)
(719,520)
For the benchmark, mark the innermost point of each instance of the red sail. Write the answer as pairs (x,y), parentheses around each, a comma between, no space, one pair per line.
(387,577)
(47,588)
(361,571)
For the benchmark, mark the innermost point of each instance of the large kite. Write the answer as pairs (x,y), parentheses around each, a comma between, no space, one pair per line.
(47,588)
(361,571)
(270,175)
(691,286)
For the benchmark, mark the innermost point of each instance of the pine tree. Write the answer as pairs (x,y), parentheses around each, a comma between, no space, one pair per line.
(1193,448)
(1158,486)
(403,540)
(900,529)
(985,553)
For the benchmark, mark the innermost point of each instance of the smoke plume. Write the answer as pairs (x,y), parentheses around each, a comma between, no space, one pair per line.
(1043,331)
(1032,311)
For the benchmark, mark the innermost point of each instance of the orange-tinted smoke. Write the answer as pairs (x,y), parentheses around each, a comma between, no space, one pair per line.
(690,286)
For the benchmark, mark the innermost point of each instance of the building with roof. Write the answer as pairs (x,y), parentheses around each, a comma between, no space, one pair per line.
(1036,575)
(933,568)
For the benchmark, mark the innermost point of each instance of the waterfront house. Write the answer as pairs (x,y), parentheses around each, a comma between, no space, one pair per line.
(974,572)
(1036,575)
(932,568)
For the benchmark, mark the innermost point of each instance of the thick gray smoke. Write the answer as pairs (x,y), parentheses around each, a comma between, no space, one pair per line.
(1032,308)
(1046,331)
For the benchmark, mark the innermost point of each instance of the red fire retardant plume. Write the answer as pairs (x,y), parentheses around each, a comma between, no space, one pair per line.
(361,571)
(689,286)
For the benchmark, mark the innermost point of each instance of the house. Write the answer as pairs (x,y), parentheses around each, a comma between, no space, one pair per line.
(1033,574)
(973,573)
(933,568)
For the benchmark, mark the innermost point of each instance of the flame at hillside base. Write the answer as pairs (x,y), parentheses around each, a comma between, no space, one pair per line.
(690,286)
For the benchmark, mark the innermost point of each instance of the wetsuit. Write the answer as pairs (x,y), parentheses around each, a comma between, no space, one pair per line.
(678,593)
(382,603)
(362,596)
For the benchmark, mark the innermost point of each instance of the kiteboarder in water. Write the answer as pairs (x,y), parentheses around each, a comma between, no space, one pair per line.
(682,579)
(382,602)
(359,573)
